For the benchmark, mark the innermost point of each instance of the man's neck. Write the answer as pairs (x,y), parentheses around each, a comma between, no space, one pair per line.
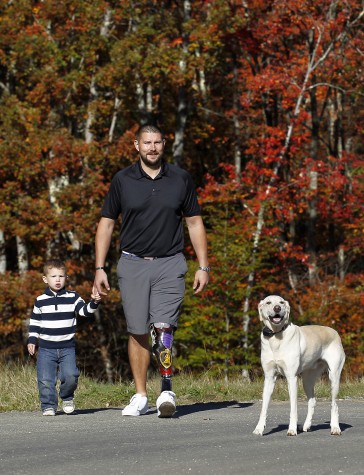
(152,172)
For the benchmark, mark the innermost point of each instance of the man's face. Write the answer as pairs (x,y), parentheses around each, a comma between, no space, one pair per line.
(55,278)
(150,147)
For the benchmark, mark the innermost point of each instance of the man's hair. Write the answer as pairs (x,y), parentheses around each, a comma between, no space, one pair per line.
(54,263)
(148,128)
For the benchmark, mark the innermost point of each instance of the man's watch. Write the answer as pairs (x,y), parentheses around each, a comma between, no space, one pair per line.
(205,269)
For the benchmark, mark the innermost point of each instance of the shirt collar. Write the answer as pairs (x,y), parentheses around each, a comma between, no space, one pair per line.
(140,173)
(48,291)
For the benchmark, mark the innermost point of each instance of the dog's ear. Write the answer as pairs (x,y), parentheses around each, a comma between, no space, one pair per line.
(288,308)
(260,305)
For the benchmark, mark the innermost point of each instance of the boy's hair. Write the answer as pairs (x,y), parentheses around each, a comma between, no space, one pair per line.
(148,128)
(55,263)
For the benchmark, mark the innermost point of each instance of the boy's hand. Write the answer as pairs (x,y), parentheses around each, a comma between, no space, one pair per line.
(31,348)
(95,296)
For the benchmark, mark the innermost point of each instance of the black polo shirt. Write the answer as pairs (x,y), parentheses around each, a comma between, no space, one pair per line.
(151,209)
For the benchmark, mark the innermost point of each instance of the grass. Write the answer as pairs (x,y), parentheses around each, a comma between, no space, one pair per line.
(18,390)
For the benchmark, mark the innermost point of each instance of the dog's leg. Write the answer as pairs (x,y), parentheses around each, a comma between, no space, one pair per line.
(269,382)
(308,379)
(292,389)
(334,374)
(335,358)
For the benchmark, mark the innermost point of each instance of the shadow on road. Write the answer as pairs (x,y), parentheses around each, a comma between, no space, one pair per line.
(92,411)
(209,406)
(181,410)
(325,427)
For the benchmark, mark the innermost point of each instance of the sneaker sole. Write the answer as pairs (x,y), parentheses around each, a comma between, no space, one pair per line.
(166,409)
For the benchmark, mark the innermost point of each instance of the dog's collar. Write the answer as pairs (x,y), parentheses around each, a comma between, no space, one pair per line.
(268,332)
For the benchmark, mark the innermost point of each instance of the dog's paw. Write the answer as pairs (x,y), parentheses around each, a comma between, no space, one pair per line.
(258,431)
(291,432)
(335,431)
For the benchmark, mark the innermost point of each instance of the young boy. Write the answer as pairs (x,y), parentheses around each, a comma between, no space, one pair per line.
(52,328)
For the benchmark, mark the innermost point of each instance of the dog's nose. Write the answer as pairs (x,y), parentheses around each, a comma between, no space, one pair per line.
(277,308)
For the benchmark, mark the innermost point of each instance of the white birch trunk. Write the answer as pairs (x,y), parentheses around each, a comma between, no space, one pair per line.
(22,253)
(2,253)
(237,131)
(55,185)
(114,118)
(202,80)
(89,136)
(182,108)
(341,259)
(144,95)
(312,217)
(144,99)
(140,95)
(104,32)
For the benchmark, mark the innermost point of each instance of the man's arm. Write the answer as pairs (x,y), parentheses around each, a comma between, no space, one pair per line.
(102,245)
(196,230)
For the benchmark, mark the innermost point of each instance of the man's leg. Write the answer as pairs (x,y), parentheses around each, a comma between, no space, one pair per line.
(139,358)
(134,283)
(138,350)
(167,292)
(162,341)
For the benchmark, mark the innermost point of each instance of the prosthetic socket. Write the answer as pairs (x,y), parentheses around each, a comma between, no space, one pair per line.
(162,341)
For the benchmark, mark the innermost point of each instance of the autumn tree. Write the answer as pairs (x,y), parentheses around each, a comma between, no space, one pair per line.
(260,100)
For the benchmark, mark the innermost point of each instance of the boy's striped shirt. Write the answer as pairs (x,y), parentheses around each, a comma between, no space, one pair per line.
(54,318)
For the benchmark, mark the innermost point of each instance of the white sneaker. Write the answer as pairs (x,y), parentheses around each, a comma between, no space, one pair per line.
(166,404)
(138,406)
(49,412)
(68,406)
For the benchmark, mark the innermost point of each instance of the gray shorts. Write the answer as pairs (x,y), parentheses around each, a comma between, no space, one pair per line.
(151,290)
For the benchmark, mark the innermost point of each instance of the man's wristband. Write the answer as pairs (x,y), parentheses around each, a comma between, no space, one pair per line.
(205,269)
(100,268)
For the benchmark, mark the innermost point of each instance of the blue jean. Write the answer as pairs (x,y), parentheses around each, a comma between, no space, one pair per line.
(51,365)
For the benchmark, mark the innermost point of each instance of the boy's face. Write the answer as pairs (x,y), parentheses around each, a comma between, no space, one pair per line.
(55,278)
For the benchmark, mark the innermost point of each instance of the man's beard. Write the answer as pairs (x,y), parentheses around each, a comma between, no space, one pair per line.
(149,163)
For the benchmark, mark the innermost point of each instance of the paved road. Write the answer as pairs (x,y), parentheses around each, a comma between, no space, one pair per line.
(208,439)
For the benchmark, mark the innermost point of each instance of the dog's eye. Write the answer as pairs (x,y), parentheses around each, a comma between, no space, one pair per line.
(269,302)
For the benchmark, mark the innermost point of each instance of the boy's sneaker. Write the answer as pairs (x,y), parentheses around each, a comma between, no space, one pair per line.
(49,412)
(138,406)
(68,406)
(166,404)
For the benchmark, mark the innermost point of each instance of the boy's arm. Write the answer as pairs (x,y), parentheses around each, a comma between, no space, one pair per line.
(34,329)
(86,309)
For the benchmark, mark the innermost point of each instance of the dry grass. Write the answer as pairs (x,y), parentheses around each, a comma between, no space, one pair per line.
(18,390)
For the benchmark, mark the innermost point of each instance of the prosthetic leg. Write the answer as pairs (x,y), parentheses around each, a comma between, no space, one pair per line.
(162,341)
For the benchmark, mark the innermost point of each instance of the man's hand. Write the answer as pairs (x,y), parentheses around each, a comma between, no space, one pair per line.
(31,348)
(101,284)
(201,281)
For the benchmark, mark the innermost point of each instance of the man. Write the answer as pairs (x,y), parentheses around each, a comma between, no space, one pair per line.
(152,197)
